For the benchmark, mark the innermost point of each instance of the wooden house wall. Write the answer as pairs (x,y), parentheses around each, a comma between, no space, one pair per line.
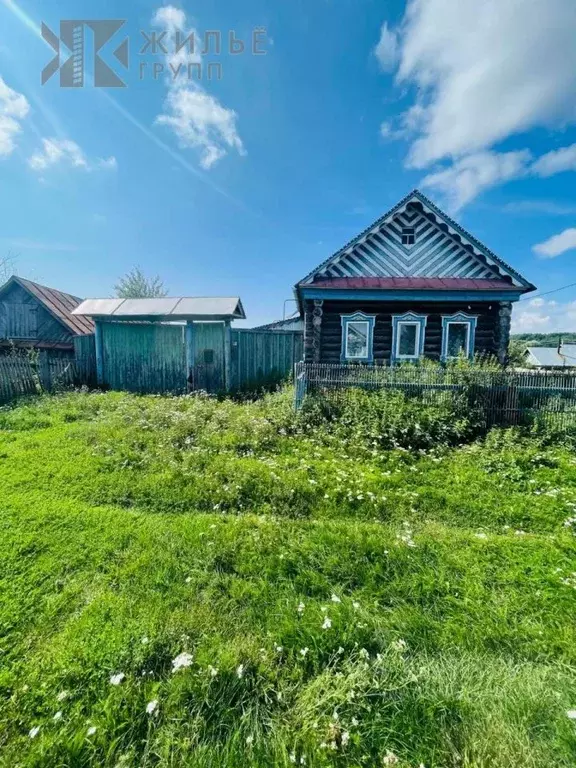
(47,328)
(487,329)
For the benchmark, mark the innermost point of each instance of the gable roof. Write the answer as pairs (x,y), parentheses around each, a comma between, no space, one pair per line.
(172,308)
(443,249)
(551,357)
(57,303)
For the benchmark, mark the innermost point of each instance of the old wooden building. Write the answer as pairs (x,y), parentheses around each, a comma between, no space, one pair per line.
(414,284)
(33,316)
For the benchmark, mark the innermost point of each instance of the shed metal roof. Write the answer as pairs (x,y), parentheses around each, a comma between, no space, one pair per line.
(169,308)
(550,357)
(59,304)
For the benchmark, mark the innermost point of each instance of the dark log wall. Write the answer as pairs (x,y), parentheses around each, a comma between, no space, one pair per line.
(488,330)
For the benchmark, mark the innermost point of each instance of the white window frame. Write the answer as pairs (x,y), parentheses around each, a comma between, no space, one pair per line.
(459,319)
(409,318)
(369,321)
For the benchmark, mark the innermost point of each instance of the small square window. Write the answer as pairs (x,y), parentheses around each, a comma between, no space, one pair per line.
(408,236)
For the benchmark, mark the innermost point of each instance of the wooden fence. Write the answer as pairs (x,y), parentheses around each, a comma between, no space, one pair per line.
(496,396)
(24,375)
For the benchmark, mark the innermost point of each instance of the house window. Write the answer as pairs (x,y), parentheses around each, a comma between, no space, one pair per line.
(458,334)
(408,337)
(408,236)
(357,337)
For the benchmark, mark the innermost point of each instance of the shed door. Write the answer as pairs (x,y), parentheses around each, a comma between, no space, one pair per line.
(209,373)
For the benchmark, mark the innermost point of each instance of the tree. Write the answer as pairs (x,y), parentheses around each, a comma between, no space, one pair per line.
(517,353)
(135,285)
(6,267)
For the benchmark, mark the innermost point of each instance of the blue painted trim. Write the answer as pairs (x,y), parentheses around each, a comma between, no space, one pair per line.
(459,317)
(408,317)
(401,295)
(358,317)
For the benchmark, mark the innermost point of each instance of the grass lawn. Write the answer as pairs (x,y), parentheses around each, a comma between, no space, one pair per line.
(185,582)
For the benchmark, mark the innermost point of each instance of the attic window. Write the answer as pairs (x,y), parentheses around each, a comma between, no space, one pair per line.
(408,236)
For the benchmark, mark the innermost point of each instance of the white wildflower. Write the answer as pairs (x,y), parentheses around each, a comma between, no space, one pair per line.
(34,732)
(278,648)
(356,605)
(390,758)
(249,740)
(481,536)
(240,671)
(345,738)
(182,661)
(292,757)
(58,715)
(62,695)
(335,598)
(571,714)
(301,607)
(91,731)
(364,653)
(145,641)
(335,716)
(189,579)
(212,670)
(400,645)
(303,652)
(340,650)
(152,707)
(327,623)
(354,721)
(117,679)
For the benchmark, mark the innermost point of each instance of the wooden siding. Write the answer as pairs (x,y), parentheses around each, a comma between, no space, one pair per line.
(141,357)
(487,329)
(260,357)
(20,312)
(436,253)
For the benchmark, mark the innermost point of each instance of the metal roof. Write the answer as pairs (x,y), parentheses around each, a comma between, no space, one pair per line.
(549,357)
(173,309)
(416,283)
(290,324)
(59,304)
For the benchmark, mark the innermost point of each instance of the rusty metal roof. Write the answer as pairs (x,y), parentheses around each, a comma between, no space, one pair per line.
(415,283)
(58,303)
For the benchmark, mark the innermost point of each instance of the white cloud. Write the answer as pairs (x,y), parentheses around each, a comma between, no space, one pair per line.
(541,316)
(195,116)
(63,151)
(14,108)
(556,245)
(483,72)
(387,50)
(488,70)
(471,175)
(558,160)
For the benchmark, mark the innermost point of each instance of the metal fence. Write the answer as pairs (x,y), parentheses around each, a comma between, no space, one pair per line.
(24,375)
(496,396)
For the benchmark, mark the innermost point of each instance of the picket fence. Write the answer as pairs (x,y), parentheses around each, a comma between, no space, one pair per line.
(499,396)
(24,375)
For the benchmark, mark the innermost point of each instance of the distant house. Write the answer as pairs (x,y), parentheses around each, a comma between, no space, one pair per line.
(413,284)
(290,324)
(33,316)
(562,356)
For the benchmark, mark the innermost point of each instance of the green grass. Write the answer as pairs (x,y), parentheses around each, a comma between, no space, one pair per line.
(135,529)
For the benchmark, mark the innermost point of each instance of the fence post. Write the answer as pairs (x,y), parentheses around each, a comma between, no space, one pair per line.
(190,355)
(98,341)
(300,385)
(44,372)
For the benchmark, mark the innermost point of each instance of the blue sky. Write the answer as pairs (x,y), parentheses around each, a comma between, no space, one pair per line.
(242,185)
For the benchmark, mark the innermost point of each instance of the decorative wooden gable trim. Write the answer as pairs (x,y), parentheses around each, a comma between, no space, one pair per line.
(439,248)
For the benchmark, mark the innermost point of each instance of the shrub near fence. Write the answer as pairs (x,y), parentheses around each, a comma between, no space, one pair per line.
(484,395)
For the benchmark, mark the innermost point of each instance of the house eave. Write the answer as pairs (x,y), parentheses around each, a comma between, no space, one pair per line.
(310,292)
